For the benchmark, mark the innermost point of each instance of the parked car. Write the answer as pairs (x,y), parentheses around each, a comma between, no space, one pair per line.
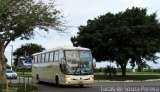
(10,74)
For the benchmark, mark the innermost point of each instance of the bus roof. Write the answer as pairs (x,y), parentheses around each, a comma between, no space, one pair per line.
(63,48)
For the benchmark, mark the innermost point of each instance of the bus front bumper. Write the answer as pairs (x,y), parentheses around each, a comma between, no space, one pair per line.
(79,82)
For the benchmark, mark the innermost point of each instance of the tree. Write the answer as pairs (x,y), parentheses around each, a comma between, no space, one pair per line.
(26,50)
(142,65)
(131,35)
(19,18)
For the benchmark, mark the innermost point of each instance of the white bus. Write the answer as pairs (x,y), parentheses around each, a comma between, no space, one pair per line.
(64,65)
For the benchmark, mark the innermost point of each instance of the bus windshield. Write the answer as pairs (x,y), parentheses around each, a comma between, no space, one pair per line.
(78,62)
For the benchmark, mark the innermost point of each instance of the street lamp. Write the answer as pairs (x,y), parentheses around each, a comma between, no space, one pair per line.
(11,55)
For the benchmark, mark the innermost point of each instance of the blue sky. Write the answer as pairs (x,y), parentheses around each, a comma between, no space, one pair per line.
(77,13)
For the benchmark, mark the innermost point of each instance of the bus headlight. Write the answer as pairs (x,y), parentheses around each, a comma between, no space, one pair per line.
(91,78)
(68,78)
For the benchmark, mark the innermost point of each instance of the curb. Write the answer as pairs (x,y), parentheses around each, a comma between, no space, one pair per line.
(150,80)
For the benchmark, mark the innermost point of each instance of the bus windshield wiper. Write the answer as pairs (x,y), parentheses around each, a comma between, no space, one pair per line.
(77,68)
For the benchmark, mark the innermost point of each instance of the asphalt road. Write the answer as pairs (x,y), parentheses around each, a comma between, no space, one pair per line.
(145,86)
(105,87)
(20,80)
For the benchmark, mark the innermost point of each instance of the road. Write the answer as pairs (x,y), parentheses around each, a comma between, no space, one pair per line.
(145,86)
(105,87)
(20,80)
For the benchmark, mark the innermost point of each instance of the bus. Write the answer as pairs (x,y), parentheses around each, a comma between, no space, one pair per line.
(64,66)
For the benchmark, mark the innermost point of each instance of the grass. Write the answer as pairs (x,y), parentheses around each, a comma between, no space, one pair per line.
(147,73)
(127,77)
(20,88)
(26,88)
(24,74)
(134,73)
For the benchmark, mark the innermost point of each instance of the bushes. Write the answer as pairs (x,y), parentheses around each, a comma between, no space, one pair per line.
(21,69)
(109,71)
(156,70)
(152,70)
(97,70)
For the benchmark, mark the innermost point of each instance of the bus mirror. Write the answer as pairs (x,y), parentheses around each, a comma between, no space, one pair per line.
(94,62)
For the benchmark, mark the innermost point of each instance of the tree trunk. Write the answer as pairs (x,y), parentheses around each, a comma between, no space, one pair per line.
(2,65)
(123,70)
(139,68)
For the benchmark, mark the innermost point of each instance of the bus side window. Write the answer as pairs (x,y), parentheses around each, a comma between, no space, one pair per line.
(61,54)
(61,60)
(39,58)
(51,57)
(56,56)
(47,57)
(43,58)
(35,59)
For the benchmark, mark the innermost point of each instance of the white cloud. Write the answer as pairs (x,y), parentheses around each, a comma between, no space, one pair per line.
(140,3)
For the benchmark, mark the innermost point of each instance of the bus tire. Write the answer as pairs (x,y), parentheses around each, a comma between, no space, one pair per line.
(57,81)
(37,79)
(81,86)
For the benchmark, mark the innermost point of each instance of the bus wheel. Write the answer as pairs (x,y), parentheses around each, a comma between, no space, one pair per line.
(81,86)
(57,81)
(37,79)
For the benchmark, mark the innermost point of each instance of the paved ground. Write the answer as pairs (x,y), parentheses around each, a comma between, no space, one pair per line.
(20,80)
(100,86)
(105,87)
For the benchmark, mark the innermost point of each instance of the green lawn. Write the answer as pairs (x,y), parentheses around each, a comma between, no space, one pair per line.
(147,73)
(127,77)
(24,74)
(118,77)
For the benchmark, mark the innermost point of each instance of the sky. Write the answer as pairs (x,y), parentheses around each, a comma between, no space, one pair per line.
(76,13)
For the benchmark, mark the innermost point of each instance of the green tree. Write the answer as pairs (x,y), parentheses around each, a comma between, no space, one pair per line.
(26,50)
(131,35)
(142,65)
(19,18)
